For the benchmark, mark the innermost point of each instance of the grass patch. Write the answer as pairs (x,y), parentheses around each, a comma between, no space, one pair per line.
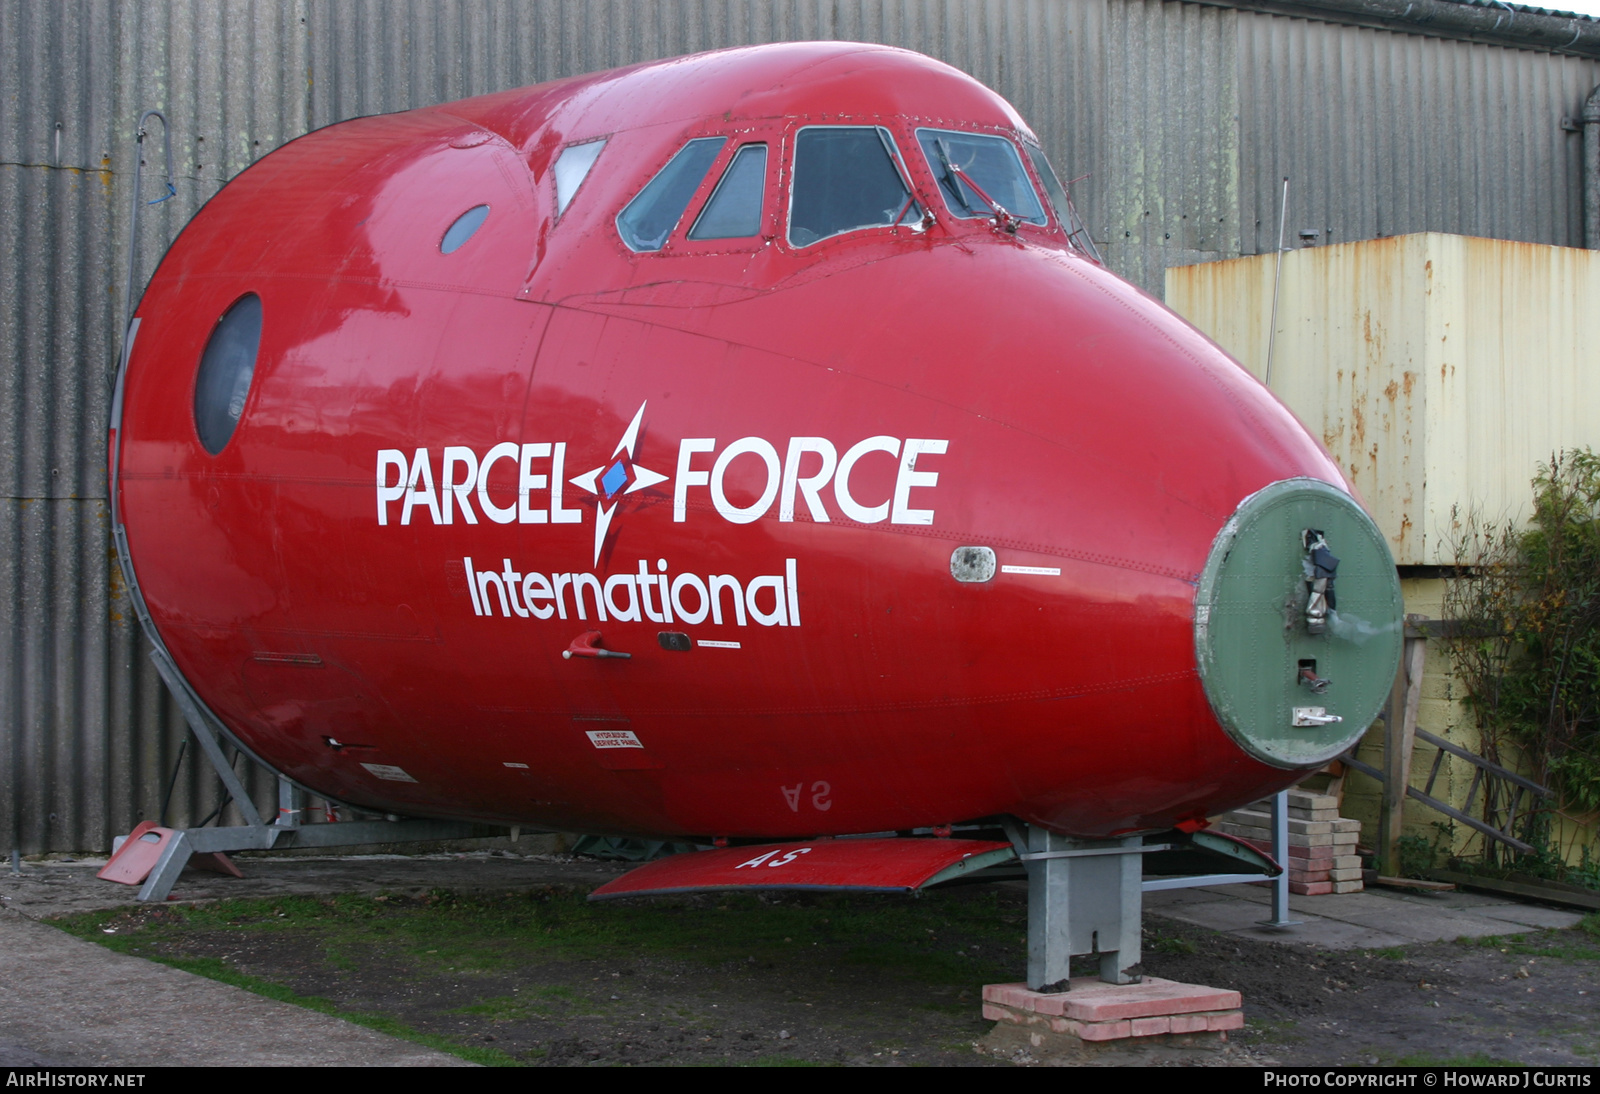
(1581,943)
(937,945)
(947,941)
(1477,1059)
(541,1002)
(1171,944)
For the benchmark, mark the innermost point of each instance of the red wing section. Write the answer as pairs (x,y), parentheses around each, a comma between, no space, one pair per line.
(859,865)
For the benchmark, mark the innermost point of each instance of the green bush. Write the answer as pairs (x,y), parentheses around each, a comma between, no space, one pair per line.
(1532,674)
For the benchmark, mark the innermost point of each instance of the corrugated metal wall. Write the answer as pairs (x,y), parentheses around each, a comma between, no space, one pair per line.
(1386,134)
(1186,115)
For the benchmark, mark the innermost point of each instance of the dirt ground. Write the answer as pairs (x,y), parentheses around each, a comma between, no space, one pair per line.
(541,977)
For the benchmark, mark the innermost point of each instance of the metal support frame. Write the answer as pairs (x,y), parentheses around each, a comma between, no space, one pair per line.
(1084,897)
(1280,884)
(1280,854)
(279,837)
(206,739)
(287,829)
(1087,897)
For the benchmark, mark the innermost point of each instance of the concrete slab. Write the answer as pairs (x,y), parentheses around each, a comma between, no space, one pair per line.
(1460,899)
(1219,915)
(1533,915)
(1373,919)
(1165,898)
(1426,925)
(75,1004)
(1343,905)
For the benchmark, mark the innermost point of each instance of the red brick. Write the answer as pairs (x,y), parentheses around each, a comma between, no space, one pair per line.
(1099,1012)
(1021,997)
(1150,1027)
(1100,1031)
(1311,865)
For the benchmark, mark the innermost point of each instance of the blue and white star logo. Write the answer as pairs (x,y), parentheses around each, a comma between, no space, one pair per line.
(620,476)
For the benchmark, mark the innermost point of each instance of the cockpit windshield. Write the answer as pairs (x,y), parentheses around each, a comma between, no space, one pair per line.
(846,178)
(960,160)
(734,208)
(649,218)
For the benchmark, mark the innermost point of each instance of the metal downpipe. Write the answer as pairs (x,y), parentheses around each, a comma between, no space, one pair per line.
(1591,171)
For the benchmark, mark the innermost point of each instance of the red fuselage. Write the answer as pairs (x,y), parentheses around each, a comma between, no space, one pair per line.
(450,466)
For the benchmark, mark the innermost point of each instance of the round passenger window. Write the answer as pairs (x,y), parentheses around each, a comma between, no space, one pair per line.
(226,367)
(466,225)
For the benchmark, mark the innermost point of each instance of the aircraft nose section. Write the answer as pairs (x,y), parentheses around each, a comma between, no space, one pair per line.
(1298,623)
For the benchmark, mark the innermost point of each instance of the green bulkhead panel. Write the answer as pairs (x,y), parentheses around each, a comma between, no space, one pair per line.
(1252,638)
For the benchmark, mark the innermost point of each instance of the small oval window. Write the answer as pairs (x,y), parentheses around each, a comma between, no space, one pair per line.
(466,225)
(226,367)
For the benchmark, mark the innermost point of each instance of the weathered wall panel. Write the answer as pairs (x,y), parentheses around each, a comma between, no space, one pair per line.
(1184,117)
(1170,194)
(1438,369)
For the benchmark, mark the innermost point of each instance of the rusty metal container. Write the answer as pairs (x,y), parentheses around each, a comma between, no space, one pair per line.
(1438,369)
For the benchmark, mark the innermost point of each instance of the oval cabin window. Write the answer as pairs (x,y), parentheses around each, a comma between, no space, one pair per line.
(226,368)
(465,227)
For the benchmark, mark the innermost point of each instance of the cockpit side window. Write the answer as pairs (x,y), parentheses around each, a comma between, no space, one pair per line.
(972,165)
(845,178)
(572,167)
(1077,231)
(734,210)
(647,220)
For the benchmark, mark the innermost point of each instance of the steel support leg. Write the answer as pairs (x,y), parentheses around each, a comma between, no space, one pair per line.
(1049,922)
(204,735)
(1280,852)
(1084,897)
(168,867)
(291,804)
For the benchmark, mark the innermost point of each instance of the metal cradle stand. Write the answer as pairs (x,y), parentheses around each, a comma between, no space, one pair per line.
(287,829)
(1280,884)
(1086,897)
